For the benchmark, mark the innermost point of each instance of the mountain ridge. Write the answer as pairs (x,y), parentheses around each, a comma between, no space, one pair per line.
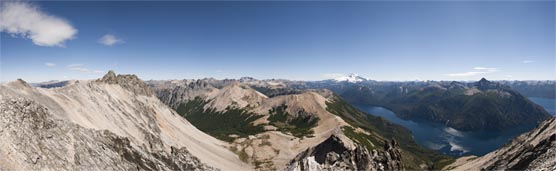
(128,112)
(278,116)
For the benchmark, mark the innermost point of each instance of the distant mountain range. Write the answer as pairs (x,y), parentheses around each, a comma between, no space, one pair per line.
(545,89)
(247,124)
(310,121)
(482,105)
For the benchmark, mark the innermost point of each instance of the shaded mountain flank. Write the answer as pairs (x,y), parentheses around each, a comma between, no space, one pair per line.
(482,105)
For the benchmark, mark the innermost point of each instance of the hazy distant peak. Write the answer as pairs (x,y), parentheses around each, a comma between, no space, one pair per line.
(484,84)
(19,83)
(352,78)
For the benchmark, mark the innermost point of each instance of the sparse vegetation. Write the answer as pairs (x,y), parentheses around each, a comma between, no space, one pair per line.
(220,124)
(243,156)
(299,126)
(363,139)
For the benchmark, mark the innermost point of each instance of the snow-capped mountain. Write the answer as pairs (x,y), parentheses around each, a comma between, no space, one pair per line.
(352,78)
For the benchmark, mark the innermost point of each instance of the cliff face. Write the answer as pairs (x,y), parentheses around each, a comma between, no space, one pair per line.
(335,154)
(534,150)
(33,140)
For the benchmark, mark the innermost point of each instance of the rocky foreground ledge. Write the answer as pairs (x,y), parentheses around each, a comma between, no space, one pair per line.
(33,140)
(534,150)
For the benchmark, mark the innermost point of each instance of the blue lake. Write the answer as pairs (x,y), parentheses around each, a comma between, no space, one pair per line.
(454,142)
(548,104)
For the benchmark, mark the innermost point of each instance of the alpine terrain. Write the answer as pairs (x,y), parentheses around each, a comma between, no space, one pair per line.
(113,123)
(294,129)
(277,85)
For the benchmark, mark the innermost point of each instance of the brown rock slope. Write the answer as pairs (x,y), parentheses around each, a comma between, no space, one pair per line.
(122,105)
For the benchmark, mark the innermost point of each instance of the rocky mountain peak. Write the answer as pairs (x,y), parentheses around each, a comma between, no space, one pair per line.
(130,82)
(19,83)
(352,78)
(110,76)
(483,81)
(484,84)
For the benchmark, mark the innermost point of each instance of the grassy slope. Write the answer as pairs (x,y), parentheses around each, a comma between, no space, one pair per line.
(238,121)
(299,126)
(220,124)
(413,153)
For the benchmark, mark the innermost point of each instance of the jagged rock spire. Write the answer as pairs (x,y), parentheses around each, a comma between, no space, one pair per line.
(130,82)
(109,77)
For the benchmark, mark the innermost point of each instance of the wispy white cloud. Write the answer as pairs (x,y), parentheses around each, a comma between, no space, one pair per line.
(75,65)
(486,69)
(28,21)
(48,64)
(81,68)
(527,61)
(109,40)
(331,75)
(476,71)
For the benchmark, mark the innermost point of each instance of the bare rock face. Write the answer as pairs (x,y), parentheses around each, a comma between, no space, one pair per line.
(334,154)
(31,139)
(129,82)
(534,150)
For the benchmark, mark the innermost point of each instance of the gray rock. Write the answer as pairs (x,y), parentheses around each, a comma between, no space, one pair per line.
(31,139)
(129,82)
(333,154)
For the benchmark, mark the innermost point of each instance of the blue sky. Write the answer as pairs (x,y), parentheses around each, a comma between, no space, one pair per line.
(293,40)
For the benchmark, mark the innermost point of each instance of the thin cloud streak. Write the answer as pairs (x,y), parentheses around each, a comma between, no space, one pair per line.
(477,71)
(331,75)
(48,64)
(81,68)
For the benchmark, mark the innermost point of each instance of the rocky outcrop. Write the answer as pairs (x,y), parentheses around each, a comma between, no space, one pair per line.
(335,154)
(129,82)
(534,150)
(156,133)
(33,140)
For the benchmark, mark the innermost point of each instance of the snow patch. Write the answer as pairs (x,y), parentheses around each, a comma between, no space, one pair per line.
(352,78)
